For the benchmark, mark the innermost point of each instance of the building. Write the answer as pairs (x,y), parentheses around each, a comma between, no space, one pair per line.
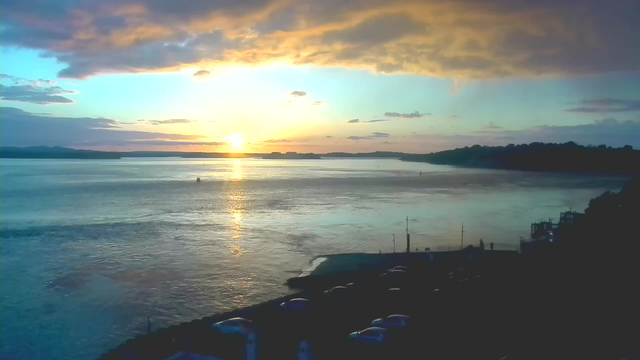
(543,230)
(569,217)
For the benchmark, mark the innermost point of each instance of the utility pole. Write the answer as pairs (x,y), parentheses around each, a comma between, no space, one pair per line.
(462,237)
(394,243)
(408,237)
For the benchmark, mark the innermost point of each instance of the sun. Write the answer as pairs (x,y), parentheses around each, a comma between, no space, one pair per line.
(236,140)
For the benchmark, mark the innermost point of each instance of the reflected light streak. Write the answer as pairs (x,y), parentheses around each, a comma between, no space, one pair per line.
(237,171)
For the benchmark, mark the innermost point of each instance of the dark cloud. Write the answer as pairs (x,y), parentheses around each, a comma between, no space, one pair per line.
(144,143)
(414,114)
(606,131)
(22,128)
(606,106)
(376,30)
(329,137)
(298,93)
(459,39)
(168,121)
(358,121)
(369,137)
(202,73)
(19,80)
(40,91)
(379,134)
(492,126)
(278,141)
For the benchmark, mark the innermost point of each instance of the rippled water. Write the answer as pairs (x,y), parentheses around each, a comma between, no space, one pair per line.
(90,249)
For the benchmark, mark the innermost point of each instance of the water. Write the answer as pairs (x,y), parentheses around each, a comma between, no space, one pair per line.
(90,249)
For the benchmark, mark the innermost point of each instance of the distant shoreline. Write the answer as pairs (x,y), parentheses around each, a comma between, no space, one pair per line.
(568,157)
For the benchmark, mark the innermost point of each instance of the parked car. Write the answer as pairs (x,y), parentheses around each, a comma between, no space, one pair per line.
(337,292)
(371,335)
(392,321)
(297,304)
(236,325)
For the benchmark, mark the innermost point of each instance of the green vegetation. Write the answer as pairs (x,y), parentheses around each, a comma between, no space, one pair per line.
(567,157)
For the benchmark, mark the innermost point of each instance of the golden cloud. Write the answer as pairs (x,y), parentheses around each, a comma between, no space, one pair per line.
(461,39)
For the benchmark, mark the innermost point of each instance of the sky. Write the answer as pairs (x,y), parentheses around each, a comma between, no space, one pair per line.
(318,76)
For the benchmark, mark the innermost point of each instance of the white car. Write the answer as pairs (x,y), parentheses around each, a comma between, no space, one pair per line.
(236,325)
(401,267)
(337,292)
(397,321)
(371,335)
(297,304)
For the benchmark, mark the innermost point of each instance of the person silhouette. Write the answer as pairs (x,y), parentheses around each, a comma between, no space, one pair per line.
(481,244)
(491,245)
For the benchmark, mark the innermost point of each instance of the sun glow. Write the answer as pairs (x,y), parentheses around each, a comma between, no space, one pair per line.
(236,140)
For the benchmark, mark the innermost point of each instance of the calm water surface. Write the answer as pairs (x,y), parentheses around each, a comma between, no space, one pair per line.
(90,249)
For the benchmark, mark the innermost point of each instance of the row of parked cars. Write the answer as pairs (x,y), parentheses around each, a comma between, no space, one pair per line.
(378,332)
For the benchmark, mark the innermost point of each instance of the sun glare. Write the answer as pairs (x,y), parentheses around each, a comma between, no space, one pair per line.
(236,141)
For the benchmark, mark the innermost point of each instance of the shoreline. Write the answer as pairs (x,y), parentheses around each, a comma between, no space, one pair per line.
(324,272)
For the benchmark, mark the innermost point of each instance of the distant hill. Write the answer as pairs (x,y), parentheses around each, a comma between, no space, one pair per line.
(56,152)
(568,157)
(376,154)
(291,155)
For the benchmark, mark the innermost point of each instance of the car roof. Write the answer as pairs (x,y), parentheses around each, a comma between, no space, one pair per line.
(339,287)
(298,299)
(240,320)
(375,328)
(398,316)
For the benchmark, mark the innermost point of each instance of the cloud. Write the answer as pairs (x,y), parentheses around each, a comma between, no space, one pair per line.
(606,106)
(379,134)
(605,131)
(317,103)
(457,86)
(358,121)
(22,128)
(329,137)
(375,30)
(462,39)
(454,117)
(298,93)
(202,73)
(492,126)
(144,143)
(19,80)
(278,141)
(167,122)
(40,91)
(369,137)
(414,114)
